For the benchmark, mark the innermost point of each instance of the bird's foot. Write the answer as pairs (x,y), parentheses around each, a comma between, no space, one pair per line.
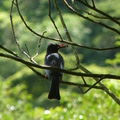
(46,76)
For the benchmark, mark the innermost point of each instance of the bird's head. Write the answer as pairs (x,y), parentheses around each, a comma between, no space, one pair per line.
(53,48)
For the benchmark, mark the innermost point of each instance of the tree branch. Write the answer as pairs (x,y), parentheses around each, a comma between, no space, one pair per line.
(17,58)
(53,21)
(31,65)
(93,3)
(113,96)
(66,32)
(87,73)
(39,44)
(99,11)
(89,19)
(58,40)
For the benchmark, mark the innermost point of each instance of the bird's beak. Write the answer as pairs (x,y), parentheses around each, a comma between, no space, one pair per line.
(62,46)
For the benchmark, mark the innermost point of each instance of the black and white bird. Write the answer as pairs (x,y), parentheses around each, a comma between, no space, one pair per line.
(53,58)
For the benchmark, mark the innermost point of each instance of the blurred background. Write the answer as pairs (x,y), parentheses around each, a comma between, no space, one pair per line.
(23,94)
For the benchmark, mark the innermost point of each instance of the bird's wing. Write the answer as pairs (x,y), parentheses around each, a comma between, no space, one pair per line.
(55,60)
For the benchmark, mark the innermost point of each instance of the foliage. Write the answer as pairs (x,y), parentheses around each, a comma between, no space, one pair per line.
(17,102)
(24,95)
(115,62)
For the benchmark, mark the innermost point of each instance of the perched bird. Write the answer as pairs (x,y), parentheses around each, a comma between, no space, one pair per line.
(53,58)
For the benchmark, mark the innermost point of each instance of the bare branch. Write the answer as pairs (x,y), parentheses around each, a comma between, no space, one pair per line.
(39,44)
(17,42)
(87,18)
(93,85)
(97,77)
(93,3)
(105,76)
(14,32)
(89,13)
(67,32)
(81,85)
(101,12)
(18,59)
(58,40)
(84,80)
(44,67)
(31,65)
(53,21)
(27,50)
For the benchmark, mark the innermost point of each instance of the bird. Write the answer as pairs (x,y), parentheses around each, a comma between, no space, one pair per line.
(54,59)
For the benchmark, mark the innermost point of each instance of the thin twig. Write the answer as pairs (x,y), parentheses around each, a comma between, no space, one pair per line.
(78,84)
(87,74)
(65,41)
(39,44)
(17,42)
(17,58)
(67,32)
(29,64)
(84,80)
(71,73)
(89,13)
(112,95)
(93,3)
(87,18)
(105,76)
(53,21)
(80,87)
(101,12)
(27,50)
(93,85)
(14,32)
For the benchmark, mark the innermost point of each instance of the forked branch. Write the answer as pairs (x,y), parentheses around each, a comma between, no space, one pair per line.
(32,65)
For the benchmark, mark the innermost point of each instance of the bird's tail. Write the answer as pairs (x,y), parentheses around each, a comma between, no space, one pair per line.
(54,88)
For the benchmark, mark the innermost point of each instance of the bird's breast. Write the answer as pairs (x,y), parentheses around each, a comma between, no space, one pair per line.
(54,59)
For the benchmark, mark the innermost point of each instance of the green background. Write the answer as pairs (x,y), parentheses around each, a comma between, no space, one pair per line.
(23,94)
